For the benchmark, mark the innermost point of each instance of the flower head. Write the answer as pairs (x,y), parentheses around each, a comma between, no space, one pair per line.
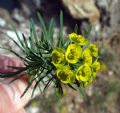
(86,83)
(93,49)
(65,75)
(95,68)
(73,53)
(58,57)
(78,39)
(83,73)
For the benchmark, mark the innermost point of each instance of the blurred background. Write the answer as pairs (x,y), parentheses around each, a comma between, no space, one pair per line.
(103,96)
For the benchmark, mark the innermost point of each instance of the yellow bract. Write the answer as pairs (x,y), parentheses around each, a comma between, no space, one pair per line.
(65,75)
(87,58)
(86,83)
(93,49)
(86,52)
(103,66)
(78,39)
(73,53)
(95,66)
(58,57)
(83,73)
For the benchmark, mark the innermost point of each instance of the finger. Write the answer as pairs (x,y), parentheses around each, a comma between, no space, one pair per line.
(10,100)
(6,61)
(20,111)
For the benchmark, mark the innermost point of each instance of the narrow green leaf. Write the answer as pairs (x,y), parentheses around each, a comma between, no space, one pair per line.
(34,31)
(18,77)
(21,48)
(12,74)
(87,34)
(77,83)
(29,85)
(10,50)
(76,28)
(59,87)
(60,37)
(82,92)
(50,34)
(15,67)
(88,37)
(21,42)
(72,87)
(34,37)
(31,40)
(26,44)
(36,84)
(43,27)
(48,83)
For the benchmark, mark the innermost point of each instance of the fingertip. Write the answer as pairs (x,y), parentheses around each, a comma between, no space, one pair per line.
(20,111)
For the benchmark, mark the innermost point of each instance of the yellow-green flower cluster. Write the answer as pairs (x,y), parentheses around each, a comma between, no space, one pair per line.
(79,61)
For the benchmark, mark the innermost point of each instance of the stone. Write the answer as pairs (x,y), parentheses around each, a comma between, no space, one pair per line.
(80,9)
(30,7)
(5,18)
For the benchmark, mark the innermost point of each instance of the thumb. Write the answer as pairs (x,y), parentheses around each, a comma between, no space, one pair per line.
(10,101)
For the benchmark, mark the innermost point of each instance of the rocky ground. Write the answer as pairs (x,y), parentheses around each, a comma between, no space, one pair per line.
(103,96)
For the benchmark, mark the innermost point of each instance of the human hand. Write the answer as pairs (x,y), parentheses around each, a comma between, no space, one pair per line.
(10,101)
